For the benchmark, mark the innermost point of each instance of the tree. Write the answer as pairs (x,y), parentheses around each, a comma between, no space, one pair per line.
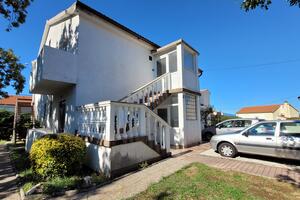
(10,72)
(10,68)
(14,11)
(264,4)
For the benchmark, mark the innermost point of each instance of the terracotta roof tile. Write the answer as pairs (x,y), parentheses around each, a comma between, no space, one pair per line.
(11,100)
(259,109)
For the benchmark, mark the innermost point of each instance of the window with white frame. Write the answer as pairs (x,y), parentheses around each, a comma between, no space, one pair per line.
(191,107)
(173,61)
(189,62)
(174,119)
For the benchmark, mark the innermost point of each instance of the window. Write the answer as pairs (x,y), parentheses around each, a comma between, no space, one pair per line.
(173,61)
(227,124)
(161,67)
(174,116)
(189,60)
(264,129)
(239,124)
(290,129)
(248,123)
(191,107)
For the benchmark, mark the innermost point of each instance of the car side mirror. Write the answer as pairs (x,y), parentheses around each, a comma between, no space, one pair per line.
(246,134)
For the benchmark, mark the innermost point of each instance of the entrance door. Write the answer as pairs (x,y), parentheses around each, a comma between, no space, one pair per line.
(163,113)
(161,66)
(62,116)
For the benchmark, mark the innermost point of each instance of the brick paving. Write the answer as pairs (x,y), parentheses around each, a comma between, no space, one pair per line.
(135,183)
(8,181)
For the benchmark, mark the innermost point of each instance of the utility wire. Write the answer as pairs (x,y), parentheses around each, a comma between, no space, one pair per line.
(253,66)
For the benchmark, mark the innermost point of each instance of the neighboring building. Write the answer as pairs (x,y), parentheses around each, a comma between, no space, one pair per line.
(9,103)
(102,80)
(269,112)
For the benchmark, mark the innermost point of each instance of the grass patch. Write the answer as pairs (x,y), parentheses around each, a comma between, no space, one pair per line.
(198,181)
(60,184)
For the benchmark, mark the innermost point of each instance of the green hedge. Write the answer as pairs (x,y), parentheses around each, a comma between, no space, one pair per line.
(57,155)
(6,124)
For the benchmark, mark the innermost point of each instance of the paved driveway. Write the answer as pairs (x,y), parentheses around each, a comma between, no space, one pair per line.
(269,161)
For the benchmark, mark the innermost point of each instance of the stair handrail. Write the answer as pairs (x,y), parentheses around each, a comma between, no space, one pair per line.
(146,85)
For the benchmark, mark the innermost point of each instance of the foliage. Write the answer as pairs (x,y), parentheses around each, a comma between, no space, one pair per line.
(25,123)
(198,181)
(57,155)
(264,4)
(205,115)
(10,72)
(14,11)
(6,124)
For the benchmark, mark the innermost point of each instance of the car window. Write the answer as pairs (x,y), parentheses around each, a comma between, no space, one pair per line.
(239,124)
(263,129)
(290,129)
(248,123)
(227,124)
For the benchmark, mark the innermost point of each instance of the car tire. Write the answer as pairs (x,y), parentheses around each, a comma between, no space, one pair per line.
(227,150)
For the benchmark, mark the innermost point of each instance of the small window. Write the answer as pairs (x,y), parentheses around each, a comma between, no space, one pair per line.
(290,129)
(248,123)
(174,116)
(174,99)
(161,67)
(189,60)
(191,107)
(173,61)
(264,129)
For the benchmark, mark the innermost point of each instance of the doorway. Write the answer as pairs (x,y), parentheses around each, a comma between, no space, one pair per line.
(163,113)
(61,116)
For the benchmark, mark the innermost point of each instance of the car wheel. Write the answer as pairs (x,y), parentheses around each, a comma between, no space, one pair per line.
(227,150)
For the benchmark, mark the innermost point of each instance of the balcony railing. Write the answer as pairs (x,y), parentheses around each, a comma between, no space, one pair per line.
(112,121)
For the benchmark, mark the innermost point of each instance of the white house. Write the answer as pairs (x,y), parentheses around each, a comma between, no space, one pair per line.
(205,98)
(269,112)
(128,97)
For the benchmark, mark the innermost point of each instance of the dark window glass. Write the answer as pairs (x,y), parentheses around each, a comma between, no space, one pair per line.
(174,116)
(173,61)
(161,67)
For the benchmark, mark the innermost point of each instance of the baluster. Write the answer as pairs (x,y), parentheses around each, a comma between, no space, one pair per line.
(117,120)
(124,121)
(155,131)
(160,134)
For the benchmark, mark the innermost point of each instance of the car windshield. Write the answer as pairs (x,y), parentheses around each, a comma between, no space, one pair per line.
(290,129)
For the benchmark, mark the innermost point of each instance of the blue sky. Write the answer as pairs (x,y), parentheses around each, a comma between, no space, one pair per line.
(232,43)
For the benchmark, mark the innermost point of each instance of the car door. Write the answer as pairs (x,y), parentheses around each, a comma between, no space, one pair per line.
(258,139)
(224,127)
(288,143)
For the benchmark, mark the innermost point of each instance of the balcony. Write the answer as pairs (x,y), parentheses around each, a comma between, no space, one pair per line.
(53,71)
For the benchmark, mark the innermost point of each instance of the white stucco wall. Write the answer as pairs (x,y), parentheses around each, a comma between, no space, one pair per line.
(266,116)
(111,64)
(205,98)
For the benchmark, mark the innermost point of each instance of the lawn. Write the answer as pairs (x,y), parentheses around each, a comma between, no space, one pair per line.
(198,181)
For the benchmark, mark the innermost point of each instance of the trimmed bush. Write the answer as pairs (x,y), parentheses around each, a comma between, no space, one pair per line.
(6,124)
(57,155)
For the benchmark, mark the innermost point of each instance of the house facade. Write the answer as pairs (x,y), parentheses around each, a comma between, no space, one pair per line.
(106,83)
(270,112)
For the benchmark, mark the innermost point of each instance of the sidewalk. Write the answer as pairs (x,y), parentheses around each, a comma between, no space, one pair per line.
(135,183)
(8,180)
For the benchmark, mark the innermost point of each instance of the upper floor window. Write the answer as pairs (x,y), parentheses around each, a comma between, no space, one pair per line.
(189,62)
(161,66)
(173,61)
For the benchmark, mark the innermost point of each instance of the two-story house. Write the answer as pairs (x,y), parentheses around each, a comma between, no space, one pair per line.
(108,84)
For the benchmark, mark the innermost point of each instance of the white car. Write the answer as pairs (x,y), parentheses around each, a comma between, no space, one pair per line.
(269,138)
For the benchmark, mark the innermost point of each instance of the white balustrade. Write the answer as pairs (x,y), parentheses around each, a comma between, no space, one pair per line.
(151,91)
(112,121)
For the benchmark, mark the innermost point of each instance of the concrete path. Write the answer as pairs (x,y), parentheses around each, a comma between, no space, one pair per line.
(8,180)
(135,183)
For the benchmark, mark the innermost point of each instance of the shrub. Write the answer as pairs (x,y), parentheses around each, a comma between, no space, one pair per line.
(6,124)
(25,123)
(57,155)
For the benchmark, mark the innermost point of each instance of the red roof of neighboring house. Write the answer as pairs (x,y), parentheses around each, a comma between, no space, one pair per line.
(259,109)
(11,100)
